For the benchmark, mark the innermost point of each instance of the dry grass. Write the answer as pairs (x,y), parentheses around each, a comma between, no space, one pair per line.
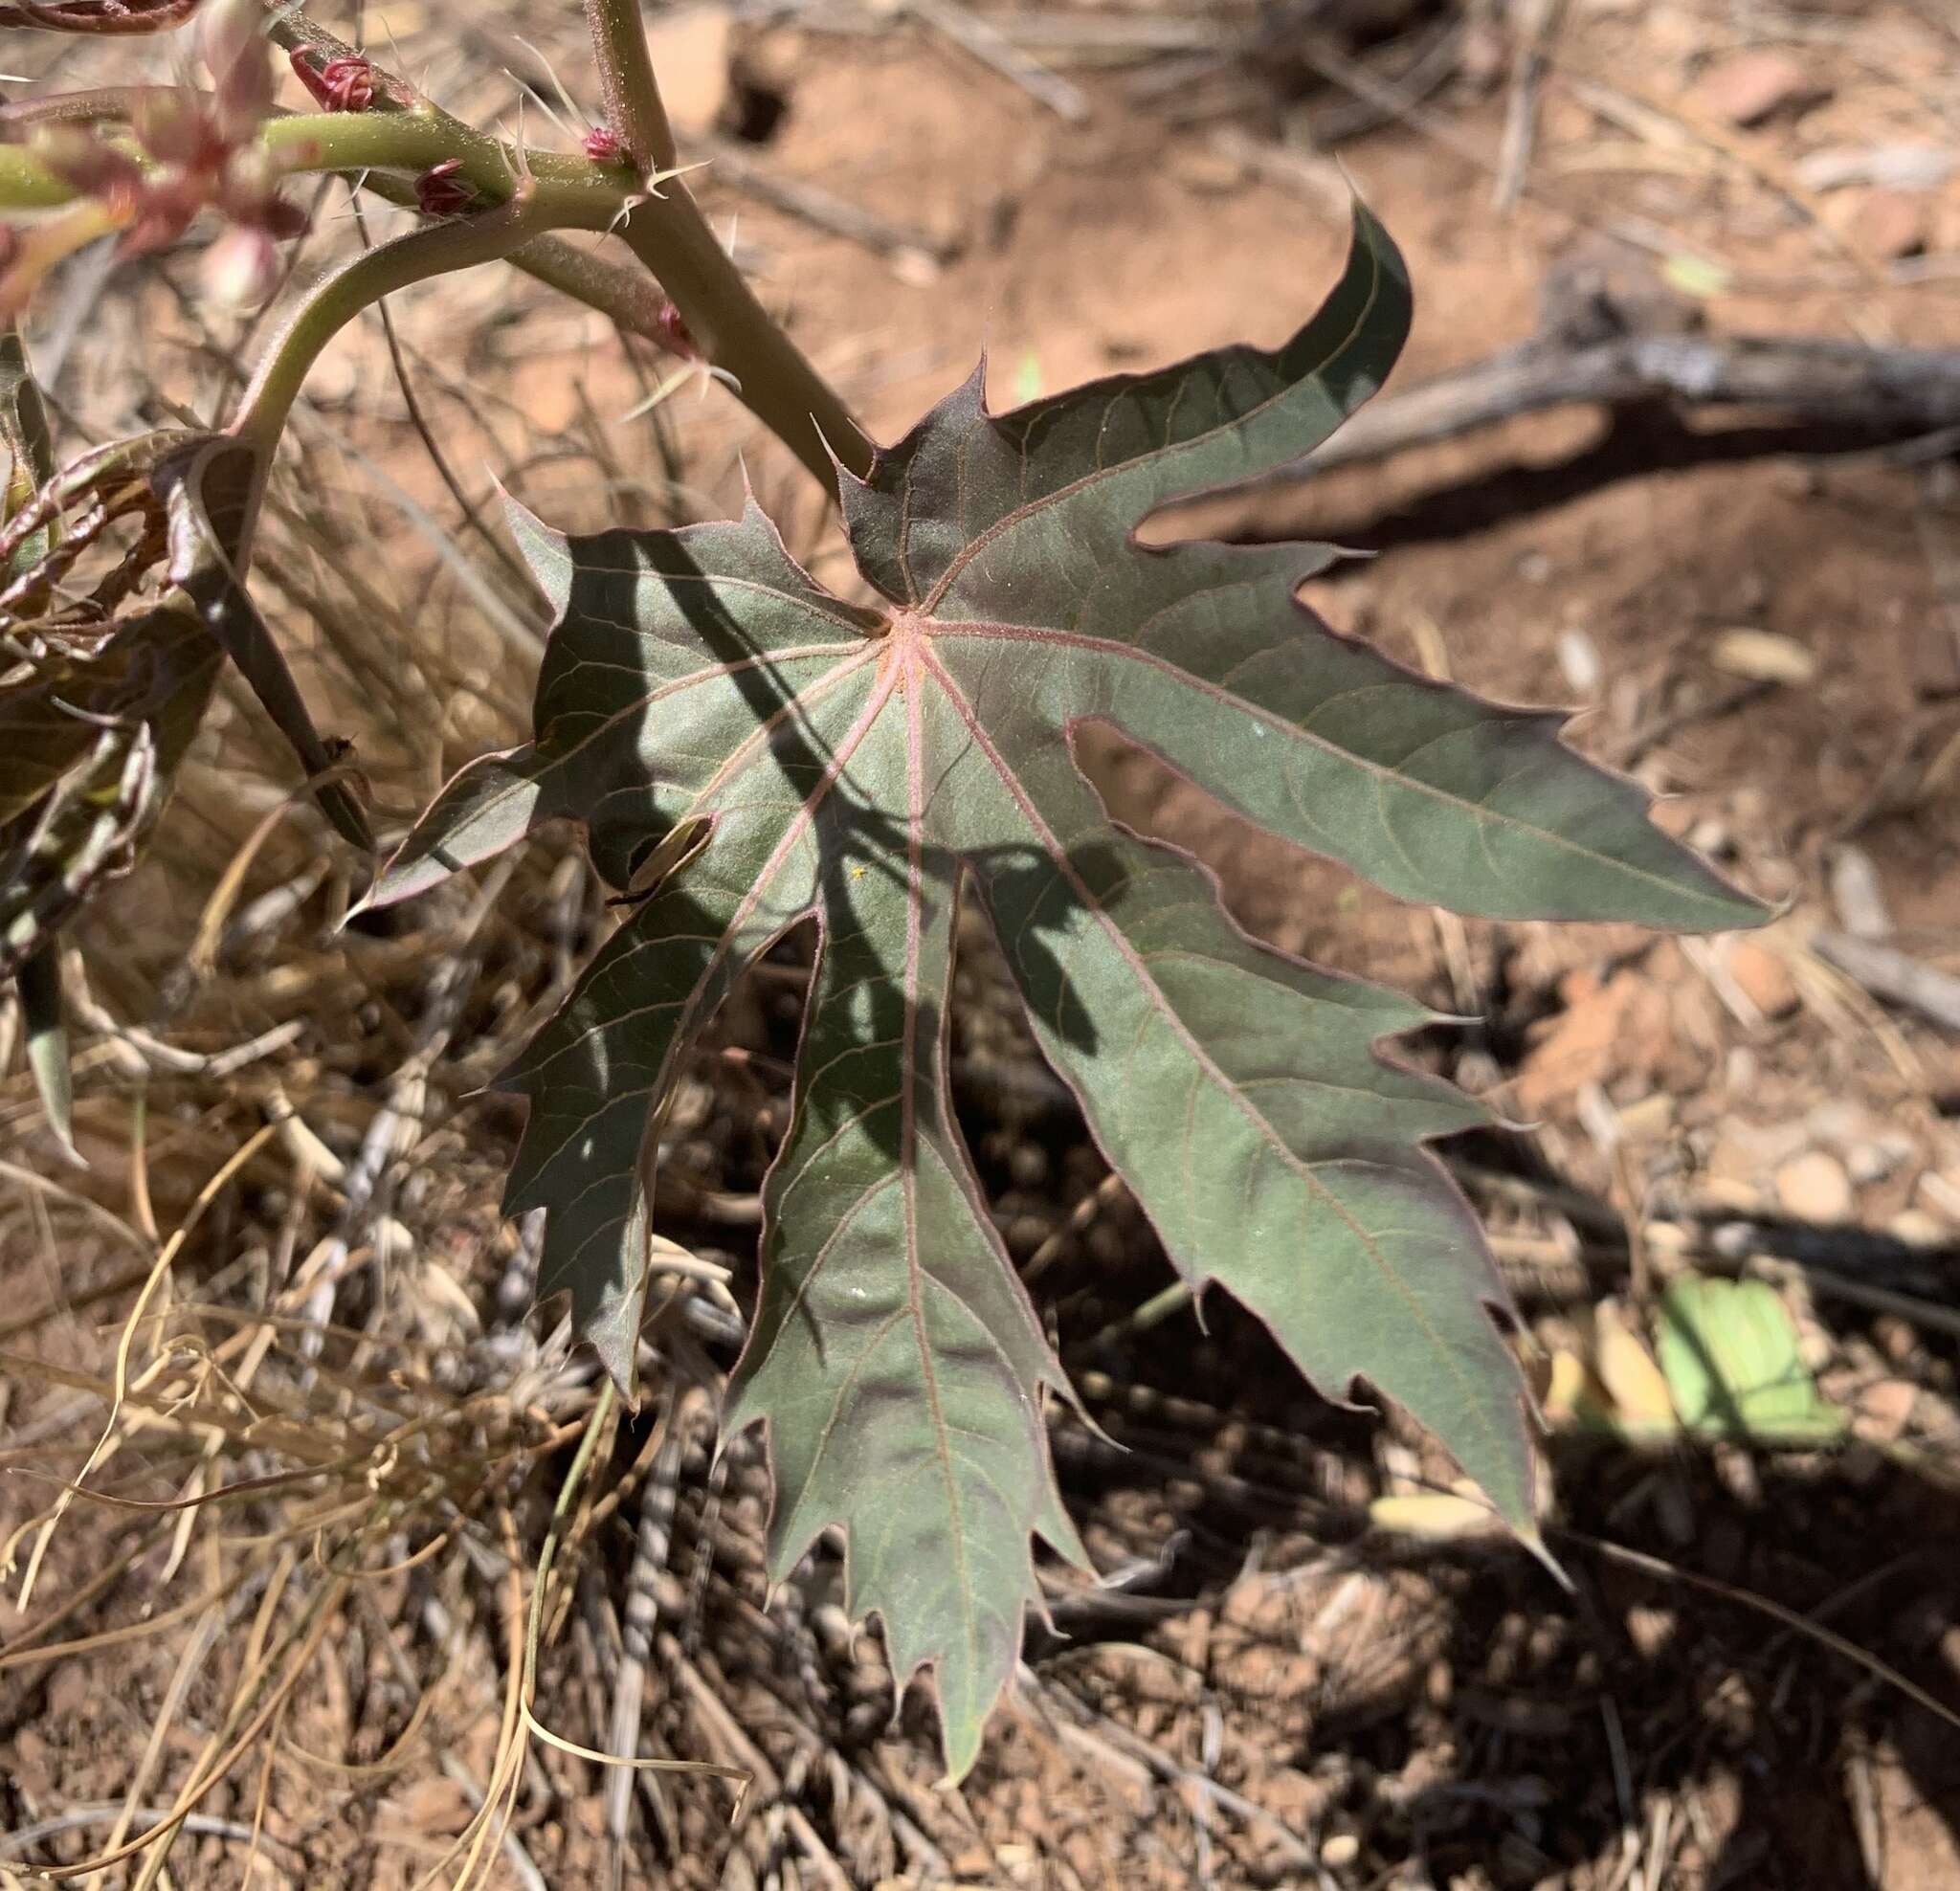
(322,1523)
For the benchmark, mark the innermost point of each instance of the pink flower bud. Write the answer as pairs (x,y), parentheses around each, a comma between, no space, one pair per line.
(238,58)
(440,192)
(172,128)
(242,269)
(603,145)
(87,163)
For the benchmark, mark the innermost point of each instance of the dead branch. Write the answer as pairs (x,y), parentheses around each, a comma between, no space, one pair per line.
(1808,383)
(1890,974)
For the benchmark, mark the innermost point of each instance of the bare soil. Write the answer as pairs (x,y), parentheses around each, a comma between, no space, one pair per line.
(1282,1694)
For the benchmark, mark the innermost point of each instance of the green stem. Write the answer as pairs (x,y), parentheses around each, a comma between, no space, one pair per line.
(735,332)
(661,224)
(26,184)
(626,76)
(435,250)
(413,140)
(669,235)
(419,138)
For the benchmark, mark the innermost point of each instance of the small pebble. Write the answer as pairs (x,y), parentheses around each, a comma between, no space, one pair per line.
(1884,1409)
(1711,835)
(1750,88)
(1837,1121)
(1942,1194)
(1578,656)
(1814,1188)
(1919,1228)
(1884,223)
(1764,978)
(1874,1161)
(1857,895)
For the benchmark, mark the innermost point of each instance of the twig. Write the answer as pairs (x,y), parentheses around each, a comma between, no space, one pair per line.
(528,1874)
(723,1728)
(1283,1838)
(1111,36)
(659,1495)
(1628,750)
(1391,98)
(1804,1625)
(1811,382)
(994,49)
(199,1825)
(1888,973)
(1318,181)
(823,209)
(1521,110)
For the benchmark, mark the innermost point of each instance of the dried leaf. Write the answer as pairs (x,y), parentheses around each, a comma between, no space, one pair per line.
(1442,1515)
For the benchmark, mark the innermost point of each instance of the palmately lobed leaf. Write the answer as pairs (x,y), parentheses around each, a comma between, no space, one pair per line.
(869,770)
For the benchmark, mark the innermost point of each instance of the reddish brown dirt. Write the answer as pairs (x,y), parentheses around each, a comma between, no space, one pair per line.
(1389,1716)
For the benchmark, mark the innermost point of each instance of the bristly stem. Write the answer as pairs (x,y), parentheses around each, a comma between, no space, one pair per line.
(667,231)
(362,280)
(626,79)
(653,212)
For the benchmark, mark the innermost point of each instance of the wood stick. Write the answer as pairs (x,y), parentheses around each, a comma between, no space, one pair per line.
(1811,382)
(1888,973)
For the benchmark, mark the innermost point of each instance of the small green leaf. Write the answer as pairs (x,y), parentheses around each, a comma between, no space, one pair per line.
(1700,277)
(25,440)
(1729,1352)
(39,984)
(871,768)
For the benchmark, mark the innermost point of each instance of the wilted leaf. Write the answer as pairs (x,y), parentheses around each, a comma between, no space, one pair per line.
(24,438)
(95,716)
(1442,1516)
(869,767)
(97,710)
(42,1012)
(1729,1352)
(1640,1403)
(89,743)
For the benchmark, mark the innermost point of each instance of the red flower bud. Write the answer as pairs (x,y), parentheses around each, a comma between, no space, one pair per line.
(87,163)
(440,192)
(603,145)
(346,84)
(676,333)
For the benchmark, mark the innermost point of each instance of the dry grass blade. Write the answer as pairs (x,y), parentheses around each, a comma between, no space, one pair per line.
(1803,1625)
(159,1271)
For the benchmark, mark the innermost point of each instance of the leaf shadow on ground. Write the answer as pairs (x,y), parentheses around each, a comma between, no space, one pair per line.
(1470,1717)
